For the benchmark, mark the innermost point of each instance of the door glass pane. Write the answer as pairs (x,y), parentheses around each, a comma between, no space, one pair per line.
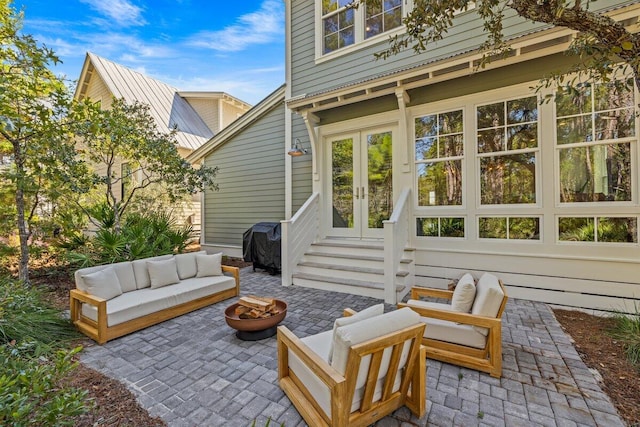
(342,175)
(380,182)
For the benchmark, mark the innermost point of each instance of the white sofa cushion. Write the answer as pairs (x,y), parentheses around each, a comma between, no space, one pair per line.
(209,265)
(374,310)
(103,283)
(464,294)
(186,263)
(141,272)
(131,305)
(162,273)
(124,271)
(489,297)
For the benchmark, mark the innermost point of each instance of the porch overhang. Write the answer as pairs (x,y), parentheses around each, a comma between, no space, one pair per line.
(541,43)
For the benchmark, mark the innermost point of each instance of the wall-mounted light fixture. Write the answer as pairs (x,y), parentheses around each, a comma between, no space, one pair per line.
(297,149)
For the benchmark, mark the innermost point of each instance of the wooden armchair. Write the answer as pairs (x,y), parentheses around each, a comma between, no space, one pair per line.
(472,340)
(357,373)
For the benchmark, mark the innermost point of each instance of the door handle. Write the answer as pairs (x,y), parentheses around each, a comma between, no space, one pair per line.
(357,192)
(363,195)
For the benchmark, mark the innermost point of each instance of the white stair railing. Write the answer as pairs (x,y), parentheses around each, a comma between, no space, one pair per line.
(396,239)
(298,233)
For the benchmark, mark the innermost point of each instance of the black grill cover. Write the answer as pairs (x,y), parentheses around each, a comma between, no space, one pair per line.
(261,246)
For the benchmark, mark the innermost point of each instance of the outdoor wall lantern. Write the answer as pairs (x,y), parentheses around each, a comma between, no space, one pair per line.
(297,149)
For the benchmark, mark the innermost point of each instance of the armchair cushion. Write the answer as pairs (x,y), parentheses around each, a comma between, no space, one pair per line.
(103,283)
(489,297)
(429,304)
(374,310)
(464,294)
(350,335)
(445,330)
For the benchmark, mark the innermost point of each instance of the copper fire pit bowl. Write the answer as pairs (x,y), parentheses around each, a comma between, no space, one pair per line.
(255,329)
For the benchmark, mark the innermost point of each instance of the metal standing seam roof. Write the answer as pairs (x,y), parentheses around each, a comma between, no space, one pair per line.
(167,107)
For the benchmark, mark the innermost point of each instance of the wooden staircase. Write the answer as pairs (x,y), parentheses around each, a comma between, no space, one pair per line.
(351,266)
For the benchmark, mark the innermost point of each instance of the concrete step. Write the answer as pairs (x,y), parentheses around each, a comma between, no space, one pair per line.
(349,286)
(357,272)
(350,259)
(349,247)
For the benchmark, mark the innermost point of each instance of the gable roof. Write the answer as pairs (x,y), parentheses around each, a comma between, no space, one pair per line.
(167,107)
(272,100)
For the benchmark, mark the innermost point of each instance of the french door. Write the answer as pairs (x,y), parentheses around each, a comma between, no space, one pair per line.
(360,181)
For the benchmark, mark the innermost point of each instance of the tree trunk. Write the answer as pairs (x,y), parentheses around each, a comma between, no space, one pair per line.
(23,231)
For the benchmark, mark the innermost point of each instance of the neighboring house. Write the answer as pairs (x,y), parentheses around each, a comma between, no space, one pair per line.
(423,166)
(196,116)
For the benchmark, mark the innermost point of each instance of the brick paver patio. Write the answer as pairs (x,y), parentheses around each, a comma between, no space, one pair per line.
(193,371)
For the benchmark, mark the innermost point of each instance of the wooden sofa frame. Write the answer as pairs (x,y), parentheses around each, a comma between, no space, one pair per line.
(100,332)
(488,359)
(341,388)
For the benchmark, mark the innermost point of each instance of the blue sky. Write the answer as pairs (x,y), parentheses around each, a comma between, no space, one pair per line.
(209,45)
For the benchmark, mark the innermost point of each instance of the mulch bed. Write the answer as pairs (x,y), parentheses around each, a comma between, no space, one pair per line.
(114,404)
(598,350)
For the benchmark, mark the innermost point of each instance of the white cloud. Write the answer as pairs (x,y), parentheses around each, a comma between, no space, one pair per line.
(123,12)
(116,45)
(262,26)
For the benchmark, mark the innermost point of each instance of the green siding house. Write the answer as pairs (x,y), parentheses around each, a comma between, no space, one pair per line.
(423,166)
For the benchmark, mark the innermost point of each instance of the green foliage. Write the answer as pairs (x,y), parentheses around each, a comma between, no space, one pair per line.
(140,236)
(627,330)
(36,128)
(30,388)
(134,155)
(26,317)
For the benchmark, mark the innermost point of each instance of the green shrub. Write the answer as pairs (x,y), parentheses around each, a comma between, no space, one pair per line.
(26,317)
(627,330)
(30,388)
(139,236)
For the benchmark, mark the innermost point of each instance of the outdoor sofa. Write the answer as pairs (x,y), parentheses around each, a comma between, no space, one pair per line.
(116,299)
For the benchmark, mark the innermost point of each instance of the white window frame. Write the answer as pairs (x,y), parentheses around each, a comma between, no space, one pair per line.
(359,32)
(462,159)
(479,156)
(510,240)
(439,237)
(360,40)
(583,207)
(595,242)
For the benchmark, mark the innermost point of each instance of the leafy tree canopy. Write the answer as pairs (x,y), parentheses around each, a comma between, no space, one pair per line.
(35,127)
(126,133)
